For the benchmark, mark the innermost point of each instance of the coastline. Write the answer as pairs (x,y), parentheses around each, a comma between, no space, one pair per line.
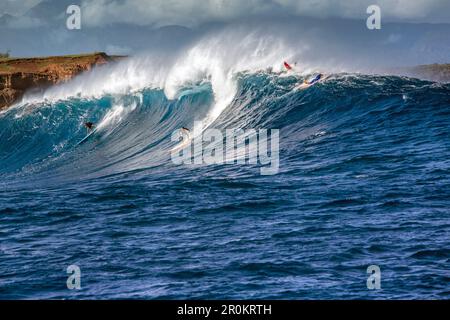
(432,72)
(19,75)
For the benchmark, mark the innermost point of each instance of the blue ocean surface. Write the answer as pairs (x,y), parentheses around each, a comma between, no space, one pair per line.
(364,179)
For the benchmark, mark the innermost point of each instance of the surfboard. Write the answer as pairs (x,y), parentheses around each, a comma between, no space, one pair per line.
(87,137)
(304,86)
(314,81)
(183,143)
(287,66)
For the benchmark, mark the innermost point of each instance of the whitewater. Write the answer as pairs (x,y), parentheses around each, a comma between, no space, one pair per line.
(363,180)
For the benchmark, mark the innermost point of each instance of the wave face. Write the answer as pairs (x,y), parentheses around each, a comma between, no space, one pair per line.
(364,179)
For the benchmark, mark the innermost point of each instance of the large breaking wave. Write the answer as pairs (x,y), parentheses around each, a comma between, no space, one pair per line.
(364,176)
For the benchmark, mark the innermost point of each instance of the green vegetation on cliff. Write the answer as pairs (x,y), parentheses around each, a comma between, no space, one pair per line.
(18,75)
(43,64)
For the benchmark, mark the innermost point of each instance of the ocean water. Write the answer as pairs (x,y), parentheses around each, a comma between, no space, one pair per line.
(364,179)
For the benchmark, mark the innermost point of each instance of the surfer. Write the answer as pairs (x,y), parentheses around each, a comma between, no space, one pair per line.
(313,79)
(89,126)
(185,133)
(288,67)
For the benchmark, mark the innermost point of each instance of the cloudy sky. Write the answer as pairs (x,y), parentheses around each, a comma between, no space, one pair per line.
(191,12)
(413,31)
(194,12)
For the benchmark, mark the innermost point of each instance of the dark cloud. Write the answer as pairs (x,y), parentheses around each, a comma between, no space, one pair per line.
(195,12)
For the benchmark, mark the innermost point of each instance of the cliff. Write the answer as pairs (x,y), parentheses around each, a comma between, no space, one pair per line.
(18,75)
(433,72)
